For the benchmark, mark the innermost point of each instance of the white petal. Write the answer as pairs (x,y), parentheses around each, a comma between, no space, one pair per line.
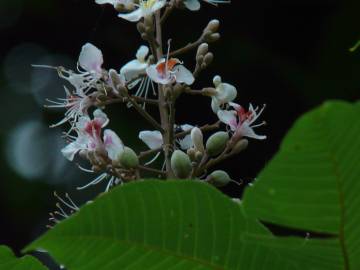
(186,142)
(133,69)
(101,2)
(228,118)
(226,93)
(133,16)
(153,139)
(193,5)
(113,144)
(158,5)
(236,106)
(246,131)
(186,127)
(215,105)
(100,116)
(142,52)
(73,148)
(153,74)
(82,122)
(91,58)
(183,75)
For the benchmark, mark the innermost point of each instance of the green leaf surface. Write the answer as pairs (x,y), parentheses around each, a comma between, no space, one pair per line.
(313,183)
(8,261)
(167,225)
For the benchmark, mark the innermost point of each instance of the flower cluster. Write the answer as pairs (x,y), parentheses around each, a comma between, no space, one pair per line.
(154,79)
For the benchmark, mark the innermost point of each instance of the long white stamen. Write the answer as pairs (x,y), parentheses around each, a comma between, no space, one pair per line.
(94,182)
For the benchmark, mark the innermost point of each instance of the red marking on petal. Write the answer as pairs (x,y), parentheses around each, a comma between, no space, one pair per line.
(170,64)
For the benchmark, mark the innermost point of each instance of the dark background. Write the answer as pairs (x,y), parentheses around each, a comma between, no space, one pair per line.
(291,55)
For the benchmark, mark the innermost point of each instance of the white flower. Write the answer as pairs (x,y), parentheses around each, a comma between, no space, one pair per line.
(241,122)
(90,61)
(168,71)
(135,73)
(145,8)
(88,135)
(136,67)
(194,5)
(76,105)
(127,4)
(153,139)
(113,144)
(225,93)
(186,142)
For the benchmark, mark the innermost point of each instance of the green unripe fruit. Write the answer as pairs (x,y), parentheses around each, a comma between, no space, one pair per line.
(181,164)
(128,158)
(217,143)
(219,178)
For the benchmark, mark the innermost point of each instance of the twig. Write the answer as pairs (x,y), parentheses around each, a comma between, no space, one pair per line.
(167,12)
(189,47)
(144,113)
(205,128)
(148,169)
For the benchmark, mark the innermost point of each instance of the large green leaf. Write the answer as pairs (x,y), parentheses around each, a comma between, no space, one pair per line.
(190,225)
(169,225)
(8,261)
(313,183)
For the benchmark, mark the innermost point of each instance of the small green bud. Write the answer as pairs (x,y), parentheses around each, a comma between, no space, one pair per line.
(219,178)
(217,143)
(240,146)
(181,164)
(128,158)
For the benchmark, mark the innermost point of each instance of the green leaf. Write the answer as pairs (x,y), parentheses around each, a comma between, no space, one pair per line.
(313,183)
(8,261)
(165,225)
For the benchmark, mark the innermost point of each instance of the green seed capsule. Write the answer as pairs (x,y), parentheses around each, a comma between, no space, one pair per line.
(181,164)
(219,178)
(128,158)
(217,143)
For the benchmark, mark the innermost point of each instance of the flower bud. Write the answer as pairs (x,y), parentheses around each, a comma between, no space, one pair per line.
(209,57)
(181,164)
(199,59)
(217,143)
(219,178)
(217,80)
(198,156)
(140,27)
(128,158)
(197,139)
(213,37)
(202,49)
(213,26)
(240,146)
(191,152)
(117,80)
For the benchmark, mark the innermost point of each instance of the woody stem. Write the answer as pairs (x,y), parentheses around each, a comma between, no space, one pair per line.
(163,105)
